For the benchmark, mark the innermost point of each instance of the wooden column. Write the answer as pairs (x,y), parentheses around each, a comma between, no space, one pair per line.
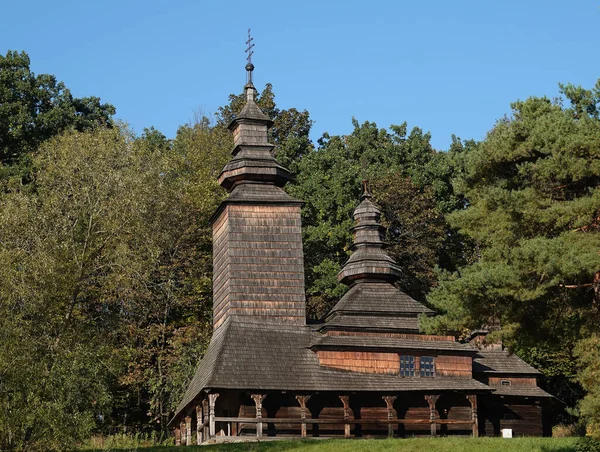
(258,400)
(199,421)
(177,437)
(182,430)
(302,399)
(431,400)
(188,431)
(472,398)
(346,401)
(212,398)
(205,432)
(389,401)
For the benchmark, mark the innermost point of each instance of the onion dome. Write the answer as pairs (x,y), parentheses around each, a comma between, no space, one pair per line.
(368,262)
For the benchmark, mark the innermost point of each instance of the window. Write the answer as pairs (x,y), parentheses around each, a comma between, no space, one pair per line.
(407,366)
(505,382)
(427,366)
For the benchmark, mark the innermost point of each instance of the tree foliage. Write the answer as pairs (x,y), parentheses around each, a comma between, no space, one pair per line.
(34,108)
(106,276)
(533,210)
(588,355)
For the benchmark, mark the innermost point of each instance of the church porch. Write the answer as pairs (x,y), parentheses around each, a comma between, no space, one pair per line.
(230,414)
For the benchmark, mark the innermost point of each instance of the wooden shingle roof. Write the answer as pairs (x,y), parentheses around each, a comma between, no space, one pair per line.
(352,322)
(379,298)
(501,362)
(248,354)
(520,391)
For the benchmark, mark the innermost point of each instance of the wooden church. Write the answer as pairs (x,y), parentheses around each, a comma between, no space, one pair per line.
(366,370)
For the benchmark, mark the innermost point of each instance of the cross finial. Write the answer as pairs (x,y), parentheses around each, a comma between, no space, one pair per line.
(250,52)
(365,190)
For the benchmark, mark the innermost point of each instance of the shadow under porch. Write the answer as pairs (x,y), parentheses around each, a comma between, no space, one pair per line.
(285,414)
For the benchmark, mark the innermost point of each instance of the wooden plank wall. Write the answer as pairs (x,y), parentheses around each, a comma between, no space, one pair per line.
(258,264)
(367,362)
(514,381)
(453,366)
(389,363)
(524,420)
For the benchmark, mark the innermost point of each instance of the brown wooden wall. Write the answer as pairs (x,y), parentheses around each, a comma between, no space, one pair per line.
(368,362)
(514,381)
(258,264)
(525,419)
(453,366)
(389,363)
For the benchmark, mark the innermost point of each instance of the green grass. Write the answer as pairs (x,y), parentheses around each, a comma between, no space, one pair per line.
(376,445)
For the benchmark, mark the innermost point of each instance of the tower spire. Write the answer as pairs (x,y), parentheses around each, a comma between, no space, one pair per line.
(249,65)
(253,160)
(365,190)
(368,262)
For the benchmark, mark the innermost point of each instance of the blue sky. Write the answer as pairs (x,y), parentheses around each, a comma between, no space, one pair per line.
(447,67)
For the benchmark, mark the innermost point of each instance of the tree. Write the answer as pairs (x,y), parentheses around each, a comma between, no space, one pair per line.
(105,301)
(34,108)
(532,190)
(69,257)
(415,231)
(588,356)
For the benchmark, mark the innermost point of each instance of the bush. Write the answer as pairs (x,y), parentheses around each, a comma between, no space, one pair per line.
(587,445)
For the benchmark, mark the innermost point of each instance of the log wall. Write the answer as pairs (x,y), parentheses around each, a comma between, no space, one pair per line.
(367,362)
(514,381)
(453,366)
(524,419)
(258,263)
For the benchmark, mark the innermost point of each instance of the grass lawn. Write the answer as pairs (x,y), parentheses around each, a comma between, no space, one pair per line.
(375,445)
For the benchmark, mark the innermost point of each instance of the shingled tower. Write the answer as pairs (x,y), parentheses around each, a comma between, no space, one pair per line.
(373,304)
(257,239)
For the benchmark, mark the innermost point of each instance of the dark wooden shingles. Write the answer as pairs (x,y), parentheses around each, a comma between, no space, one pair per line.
(532,391)
(501,362)
(379,297)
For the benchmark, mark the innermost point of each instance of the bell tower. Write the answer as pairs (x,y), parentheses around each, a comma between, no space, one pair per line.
(258,262)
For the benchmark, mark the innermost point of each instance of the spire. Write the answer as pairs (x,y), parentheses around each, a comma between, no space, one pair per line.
(253,159)
(249,65)
(368,261)
(365,190)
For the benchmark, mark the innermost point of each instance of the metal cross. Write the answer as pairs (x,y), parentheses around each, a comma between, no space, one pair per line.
(249,50)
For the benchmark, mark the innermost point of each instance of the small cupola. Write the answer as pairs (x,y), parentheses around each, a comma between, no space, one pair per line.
(368,261)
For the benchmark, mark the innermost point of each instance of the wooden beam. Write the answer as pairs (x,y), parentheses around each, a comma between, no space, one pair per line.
(206,421)
(302,399)
(389,402)
(258,400)
(212,398)
(177,437)
(346,401)
(283,420)
(431,400)
(182,429)
(188,431)
(199,422)
(472,398)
